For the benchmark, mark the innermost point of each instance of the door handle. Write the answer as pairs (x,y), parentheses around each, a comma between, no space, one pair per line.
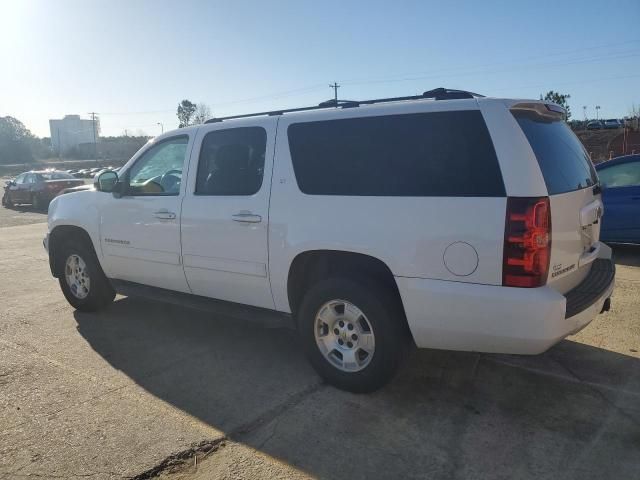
(164,215)
(246,217)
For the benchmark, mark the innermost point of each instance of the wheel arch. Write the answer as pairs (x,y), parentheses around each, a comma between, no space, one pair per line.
(310,266)
(57,237)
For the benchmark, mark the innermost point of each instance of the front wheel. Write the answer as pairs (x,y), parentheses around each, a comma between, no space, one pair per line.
(82,280)
(353,333)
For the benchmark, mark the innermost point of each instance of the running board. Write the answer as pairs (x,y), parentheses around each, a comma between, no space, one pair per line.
(264,316)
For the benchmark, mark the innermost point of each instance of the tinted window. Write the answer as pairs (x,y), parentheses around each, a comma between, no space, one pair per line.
(232,162)
(622,175)
(20,179)
(564,162)
(427,154)
(159,170)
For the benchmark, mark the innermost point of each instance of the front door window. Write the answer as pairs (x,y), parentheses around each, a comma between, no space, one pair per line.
(159,170)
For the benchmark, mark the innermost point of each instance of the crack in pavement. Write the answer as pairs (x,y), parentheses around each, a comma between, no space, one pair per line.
(178,460)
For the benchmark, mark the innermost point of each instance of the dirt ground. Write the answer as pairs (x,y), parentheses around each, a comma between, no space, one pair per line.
(147,390)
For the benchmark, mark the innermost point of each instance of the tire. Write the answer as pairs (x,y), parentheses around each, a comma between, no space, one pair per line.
(382,313)
(90,295)
(7,202)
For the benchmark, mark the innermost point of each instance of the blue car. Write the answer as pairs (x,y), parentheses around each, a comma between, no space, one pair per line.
(620,181)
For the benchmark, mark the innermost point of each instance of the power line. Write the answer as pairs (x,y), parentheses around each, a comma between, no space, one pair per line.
(507,62)
(406,76)
(578,82)
(559,63)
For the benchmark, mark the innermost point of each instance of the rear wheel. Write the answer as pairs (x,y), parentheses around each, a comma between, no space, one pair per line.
(82,280)
(353,333)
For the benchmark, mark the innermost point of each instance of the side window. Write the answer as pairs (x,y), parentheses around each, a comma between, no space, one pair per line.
(231,162)
(623,175)
(412,155)
(159,170)
(20,179)
(30,178)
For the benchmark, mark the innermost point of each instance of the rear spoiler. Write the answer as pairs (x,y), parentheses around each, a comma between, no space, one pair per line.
(549,110)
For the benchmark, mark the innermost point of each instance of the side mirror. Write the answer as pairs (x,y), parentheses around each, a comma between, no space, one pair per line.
(106,181)
(10,183)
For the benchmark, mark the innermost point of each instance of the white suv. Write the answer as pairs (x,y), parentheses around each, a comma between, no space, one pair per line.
(447,219)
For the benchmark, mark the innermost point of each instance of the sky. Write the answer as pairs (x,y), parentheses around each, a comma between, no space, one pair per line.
(133,61)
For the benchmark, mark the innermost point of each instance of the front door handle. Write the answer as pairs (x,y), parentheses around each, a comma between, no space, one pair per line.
(246,217)
(164,214)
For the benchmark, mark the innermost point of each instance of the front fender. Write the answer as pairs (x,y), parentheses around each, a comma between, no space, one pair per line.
(79,209)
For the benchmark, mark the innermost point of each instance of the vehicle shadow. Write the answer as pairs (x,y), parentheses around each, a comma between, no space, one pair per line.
(628,255)
(572,412)
(25,208)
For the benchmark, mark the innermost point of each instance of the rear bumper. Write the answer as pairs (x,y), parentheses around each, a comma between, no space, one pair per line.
(487,318)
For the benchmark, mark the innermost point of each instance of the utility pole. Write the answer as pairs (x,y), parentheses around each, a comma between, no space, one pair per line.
(161,128)
(59,146)
(597,109)
(584,110)
(95,150)
(335,87)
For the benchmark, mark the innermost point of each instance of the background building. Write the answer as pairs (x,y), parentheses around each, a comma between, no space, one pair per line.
(72,131)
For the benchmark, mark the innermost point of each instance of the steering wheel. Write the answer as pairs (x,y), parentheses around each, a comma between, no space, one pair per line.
(169,179)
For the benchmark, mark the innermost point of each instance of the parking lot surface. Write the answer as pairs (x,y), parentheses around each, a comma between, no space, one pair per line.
(145,389)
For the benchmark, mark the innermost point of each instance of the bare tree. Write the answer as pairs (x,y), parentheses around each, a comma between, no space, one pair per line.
(634,117)
(202,113)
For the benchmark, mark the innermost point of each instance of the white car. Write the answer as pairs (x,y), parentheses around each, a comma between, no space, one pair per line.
(447,219)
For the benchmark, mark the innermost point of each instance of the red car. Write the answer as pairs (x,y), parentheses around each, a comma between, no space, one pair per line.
(37,188)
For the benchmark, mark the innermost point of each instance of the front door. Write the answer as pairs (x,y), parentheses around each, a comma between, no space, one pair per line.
(140,231)
(225,213)
(18,191)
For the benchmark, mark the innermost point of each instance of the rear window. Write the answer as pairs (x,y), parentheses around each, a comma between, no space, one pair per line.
(564,162)
(427,154)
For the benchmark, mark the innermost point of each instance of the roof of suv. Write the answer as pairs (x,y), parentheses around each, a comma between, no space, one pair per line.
(435,94)
(449,98)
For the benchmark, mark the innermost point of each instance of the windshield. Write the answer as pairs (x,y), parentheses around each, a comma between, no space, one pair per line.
(564,162)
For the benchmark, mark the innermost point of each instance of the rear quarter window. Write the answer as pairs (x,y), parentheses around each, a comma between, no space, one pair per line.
(563,160)
(427,154)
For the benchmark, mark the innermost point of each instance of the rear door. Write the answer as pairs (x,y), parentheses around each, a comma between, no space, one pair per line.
(226,210)
(621,197)
(576,205)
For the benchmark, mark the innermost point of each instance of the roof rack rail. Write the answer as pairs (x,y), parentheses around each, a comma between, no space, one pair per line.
(436,94)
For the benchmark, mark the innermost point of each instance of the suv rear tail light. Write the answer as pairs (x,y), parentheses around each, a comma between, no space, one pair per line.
(527,242)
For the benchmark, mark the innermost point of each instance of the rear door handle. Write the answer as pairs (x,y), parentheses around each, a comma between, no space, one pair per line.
(164,214)
(246,217)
